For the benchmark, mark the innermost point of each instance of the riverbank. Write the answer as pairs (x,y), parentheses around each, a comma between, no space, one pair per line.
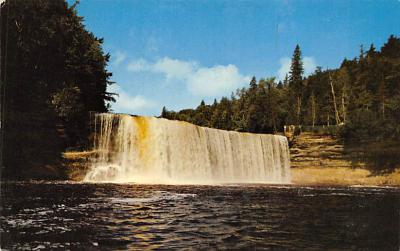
(320,159)
(316,159)
(343,176)
(77,164)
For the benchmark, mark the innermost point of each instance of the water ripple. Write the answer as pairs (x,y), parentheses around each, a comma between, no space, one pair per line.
(137,217)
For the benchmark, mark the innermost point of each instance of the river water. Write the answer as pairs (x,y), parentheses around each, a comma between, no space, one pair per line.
(56,215)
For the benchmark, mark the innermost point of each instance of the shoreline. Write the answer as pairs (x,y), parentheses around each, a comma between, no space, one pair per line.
(75,166)
(343,176)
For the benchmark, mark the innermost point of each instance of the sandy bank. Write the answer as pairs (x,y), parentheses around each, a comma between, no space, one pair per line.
(342,176)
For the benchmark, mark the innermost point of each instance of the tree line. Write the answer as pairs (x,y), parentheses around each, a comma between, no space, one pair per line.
(362,95)
(53,74)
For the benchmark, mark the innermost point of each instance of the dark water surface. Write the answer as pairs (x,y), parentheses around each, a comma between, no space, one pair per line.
(251,217)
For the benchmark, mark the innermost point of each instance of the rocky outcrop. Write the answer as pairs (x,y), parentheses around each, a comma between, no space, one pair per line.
(77,164)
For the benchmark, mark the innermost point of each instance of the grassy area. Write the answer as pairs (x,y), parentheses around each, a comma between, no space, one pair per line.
(343,176)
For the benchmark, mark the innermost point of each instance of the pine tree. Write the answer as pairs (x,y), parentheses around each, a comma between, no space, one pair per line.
(164,113)
(253,83)
(296,82)
(391,48)
(56,74)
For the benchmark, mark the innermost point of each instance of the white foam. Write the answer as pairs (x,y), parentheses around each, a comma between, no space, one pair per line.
(149,150)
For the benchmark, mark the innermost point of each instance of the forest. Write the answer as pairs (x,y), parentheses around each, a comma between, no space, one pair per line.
(53,73)
(362,97)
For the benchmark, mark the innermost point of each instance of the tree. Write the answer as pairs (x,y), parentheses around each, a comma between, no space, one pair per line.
(222,115)
(296,81)
(240,111)
(391,48)
(253,83)
(202,115)
(362,94)
(270,123)
(335,106)
(164,113)
(342,80)
(56,74)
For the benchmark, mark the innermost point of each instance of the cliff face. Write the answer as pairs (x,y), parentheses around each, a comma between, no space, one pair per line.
(324,151)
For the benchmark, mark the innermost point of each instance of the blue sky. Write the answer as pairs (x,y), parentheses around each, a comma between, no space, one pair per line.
(176,53)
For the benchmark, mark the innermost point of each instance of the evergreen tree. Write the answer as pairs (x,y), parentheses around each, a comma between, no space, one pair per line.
(363,94)
(164,113)
(296,83)
(253,83)
(391,48)
(55,75)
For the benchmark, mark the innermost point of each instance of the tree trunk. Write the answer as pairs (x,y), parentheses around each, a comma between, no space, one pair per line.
(382,98)
(313,109)
(327,120)
(334,100)
(298,109)
(343,106)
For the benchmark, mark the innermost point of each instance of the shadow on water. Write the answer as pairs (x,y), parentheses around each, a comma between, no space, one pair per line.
(136,217)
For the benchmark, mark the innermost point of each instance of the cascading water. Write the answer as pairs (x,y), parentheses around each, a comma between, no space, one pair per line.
(152,150)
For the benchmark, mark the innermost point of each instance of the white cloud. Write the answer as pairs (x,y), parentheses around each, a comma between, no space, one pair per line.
(174,68)
(285,67)
(138,65)
(200,81)
(309,66)
(127,103)
(216,80)
(119,58)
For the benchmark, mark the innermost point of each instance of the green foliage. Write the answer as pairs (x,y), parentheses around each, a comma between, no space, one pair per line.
(296,86)
(362,95)
(259,109)
(359,101)
(391,49)
(296,71)
(67,103)
(55,74)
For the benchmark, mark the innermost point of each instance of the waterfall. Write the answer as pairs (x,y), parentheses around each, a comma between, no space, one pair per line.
(153,150)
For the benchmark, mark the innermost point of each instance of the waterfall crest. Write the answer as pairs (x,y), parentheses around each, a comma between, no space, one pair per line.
(153,150)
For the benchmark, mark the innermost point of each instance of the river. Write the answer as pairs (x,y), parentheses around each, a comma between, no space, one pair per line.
(87,216)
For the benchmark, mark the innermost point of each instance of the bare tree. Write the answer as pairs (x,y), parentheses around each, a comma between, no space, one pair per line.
(334,100)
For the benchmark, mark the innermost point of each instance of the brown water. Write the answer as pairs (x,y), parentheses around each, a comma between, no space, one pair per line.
(255,217)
